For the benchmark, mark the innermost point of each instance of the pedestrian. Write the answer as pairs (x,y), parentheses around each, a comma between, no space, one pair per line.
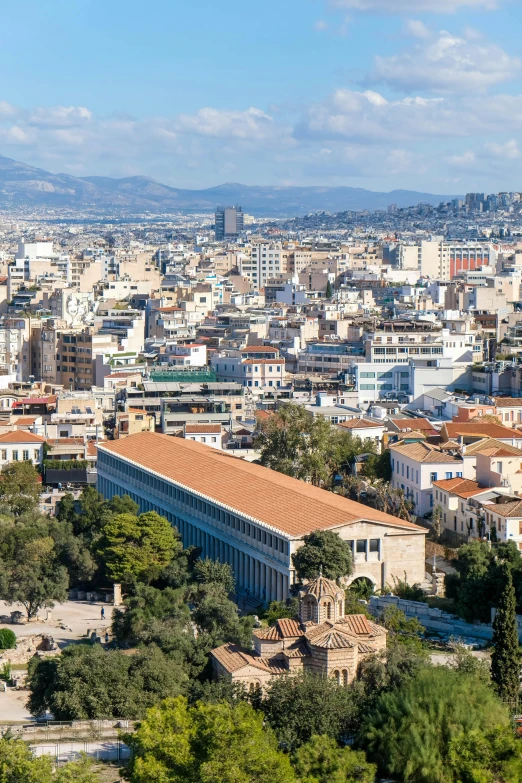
(103,613)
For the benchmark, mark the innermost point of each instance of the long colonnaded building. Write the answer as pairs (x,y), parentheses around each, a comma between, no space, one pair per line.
(252,517)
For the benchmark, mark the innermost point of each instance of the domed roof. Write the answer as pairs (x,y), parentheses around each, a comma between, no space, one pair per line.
(322,586)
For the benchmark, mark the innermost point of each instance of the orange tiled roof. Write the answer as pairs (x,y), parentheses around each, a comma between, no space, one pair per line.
(508,402)
(195,429)
(233,658)
(463,488)
(477,428)
(278,501)
(419,425)
(513,509)
(493,447)
(355,424)
(21,436)
(423,452)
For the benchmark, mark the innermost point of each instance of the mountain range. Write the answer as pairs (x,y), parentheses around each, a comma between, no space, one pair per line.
(24,185)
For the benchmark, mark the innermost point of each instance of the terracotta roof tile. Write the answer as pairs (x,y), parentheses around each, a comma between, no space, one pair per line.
(233,658)
(413,424)
(508,402)
(354,424)
(513,509)
(195,429)
(491,446)
(21,436)
(273,499)
(476,428)
(357,624)
(463,488)
(423,452)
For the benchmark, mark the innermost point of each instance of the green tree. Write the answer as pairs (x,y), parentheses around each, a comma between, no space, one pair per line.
(137,548)
(378,466)
(323,550)
(18,765)
(66,509)
(214,572)
(410,730)
(7,639)
(277,610)
(294,442)
(329,290)
(403,630)
(35,579)
(19,486)
(87,682)
(300,706)
(218,617)
(206,743)
(322,761)
(505,660)
(492,757)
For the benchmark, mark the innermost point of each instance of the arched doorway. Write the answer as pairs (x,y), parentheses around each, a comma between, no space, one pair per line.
(362,587)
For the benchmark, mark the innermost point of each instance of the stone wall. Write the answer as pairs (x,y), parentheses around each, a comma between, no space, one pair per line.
(27,646)
(437,620)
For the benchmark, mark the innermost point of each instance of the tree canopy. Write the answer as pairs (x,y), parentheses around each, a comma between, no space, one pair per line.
(18,765)
(205,743)
(20,487)
(322,761)
(137,547)
(87,682)
(323,551)
(301,706)
(309,448)
(412,730)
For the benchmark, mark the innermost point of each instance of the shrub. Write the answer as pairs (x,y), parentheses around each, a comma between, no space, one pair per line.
(7,639)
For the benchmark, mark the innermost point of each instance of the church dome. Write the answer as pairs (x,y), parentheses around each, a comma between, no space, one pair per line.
(320,587)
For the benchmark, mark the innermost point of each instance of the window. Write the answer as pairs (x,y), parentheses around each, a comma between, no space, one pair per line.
(433,477)
(374,544)
(449,475)
(4,454)
(499,467)
(459,475)
(25,455)
(15,455)
(361,546)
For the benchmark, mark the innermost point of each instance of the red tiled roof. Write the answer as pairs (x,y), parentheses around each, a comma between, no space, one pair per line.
(463,488)
(194,429)
(259,349)
(419,425)
(356,424)
(278,501)
(21,436)
(478,429)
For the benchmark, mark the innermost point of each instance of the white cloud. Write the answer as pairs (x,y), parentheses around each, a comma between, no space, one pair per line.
(60,116)
(446,63)
(414,6)
(417,29)
(508,150)
(250,124)
(320,25)
(467,159)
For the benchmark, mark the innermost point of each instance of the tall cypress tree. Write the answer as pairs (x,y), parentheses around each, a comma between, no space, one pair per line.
(505,665)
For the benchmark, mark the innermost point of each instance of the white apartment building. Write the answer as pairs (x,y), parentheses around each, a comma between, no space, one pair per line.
(189,355)
(21,446)
(258,368)
(267,260)
(417,464)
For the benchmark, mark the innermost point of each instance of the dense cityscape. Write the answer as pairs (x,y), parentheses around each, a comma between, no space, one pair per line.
(261,392)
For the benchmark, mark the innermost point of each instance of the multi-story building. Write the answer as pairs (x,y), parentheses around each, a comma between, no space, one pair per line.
(257,367)
(267,260)
(251,517)
(229,222)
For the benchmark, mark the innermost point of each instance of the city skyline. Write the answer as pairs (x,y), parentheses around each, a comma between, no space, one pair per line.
(363,93)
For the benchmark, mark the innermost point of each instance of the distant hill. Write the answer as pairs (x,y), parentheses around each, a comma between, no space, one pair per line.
(21,184)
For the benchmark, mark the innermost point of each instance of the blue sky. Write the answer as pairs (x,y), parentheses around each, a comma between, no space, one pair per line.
(383,94)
